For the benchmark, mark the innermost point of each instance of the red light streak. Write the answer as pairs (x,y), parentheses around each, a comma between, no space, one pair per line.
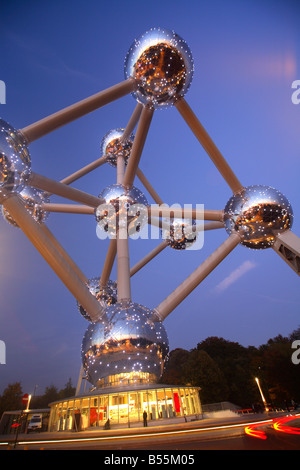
(254,432)
(280,426)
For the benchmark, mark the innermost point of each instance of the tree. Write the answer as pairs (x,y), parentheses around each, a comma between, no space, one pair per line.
(202,371)
(11,398)
(234,361)
(174,368)
(68,391)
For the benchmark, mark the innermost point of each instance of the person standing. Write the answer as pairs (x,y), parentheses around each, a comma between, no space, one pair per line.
(145,418)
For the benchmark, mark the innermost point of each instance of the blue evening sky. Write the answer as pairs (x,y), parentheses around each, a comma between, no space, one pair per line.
(246,55)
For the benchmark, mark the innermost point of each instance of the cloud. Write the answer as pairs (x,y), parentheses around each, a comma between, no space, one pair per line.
(235,275)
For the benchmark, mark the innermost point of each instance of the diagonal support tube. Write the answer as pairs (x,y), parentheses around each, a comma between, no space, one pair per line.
(187,286)
(77,110)
(208,145)
(41,241)
(140,264)
(84,170)
(63,190)
(138,145)
(148,186)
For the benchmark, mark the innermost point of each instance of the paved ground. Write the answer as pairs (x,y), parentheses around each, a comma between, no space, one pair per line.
(137,428)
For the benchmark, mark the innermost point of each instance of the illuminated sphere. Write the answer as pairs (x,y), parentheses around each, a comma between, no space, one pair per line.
(112,147)
(258,213)
(106,295)
(127,343)
(121,204)
(162,63)
(181,235)
(32,198)
(15,163)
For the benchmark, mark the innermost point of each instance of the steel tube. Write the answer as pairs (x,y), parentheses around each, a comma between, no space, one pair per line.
(132,122)
(148,258)
(187,286)
(109,262)
(52,256)
(77,110)
(208,145)
(67,208)
(138,145)
(182,213)
(148,186)
(63,190)
(84,170)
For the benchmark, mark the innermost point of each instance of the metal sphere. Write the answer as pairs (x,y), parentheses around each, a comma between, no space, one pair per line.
(162,63)
(127,342)
(258,213)
(106,295)
(122,205)
(112,147)
(15,163)
(32,198)
(181,234)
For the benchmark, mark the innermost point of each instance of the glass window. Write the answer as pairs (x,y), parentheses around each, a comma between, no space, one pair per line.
(170,404)
(114,408)
(123,407)
(161,403)
(133,407)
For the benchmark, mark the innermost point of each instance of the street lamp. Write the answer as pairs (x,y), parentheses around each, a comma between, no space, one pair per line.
(261,393)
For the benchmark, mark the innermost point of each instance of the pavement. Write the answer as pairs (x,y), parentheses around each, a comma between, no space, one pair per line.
(157,426)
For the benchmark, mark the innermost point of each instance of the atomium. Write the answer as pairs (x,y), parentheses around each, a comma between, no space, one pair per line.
(121,206)
(181,234)
(125,341)
(258,213)
(106,295)
(33,198)
(113,147)
(15,162)
(162,63)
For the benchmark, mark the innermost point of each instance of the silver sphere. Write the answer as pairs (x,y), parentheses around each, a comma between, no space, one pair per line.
(126,344)
(106,295)
(258,213)
(181,234)
(32,199)
(121,205)
(15,163)
(162,63)
(112,147)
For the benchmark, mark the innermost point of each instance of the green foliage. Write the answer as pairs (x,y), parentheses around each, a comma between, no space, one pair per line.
(12,397)
(226,371)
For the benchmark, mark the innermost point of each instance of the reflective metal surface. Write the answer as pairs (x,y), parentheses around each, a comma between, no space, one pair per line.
(162,62)
(181,234)
(126,341)
(112,147)
(258,213)
(106,295)
(15,164)
(32,198)
(121,206)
